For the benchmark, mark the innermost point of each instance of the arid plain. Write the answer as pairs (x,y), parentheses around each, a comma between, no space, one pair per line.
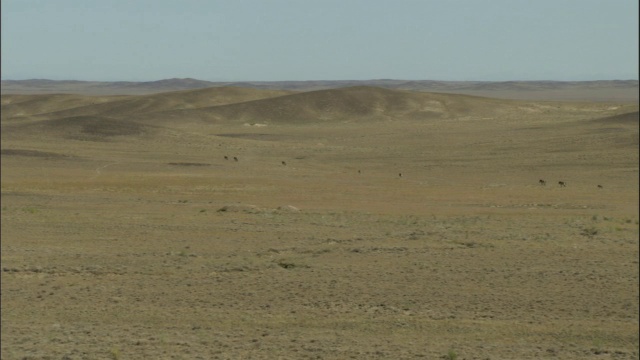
(347,223)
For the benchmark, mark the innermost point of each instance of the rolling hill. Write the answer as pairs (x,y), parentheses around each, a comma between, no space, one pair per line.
(359,103)
(100,118)
(603,90)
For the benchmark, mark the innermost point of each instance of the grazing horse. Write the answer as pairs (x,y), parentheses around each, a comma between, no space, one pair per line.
(600,187)
(235,158)
(226,157)
(400,175)
(542,182)
(284,163)
(562,184)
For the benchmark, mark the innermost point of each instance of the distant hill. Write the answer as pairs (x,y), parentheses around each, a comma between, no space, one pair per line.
(107,118)
(605,90)
(350,104)
(43,86)
(631,118)
(248,105)
(71,105)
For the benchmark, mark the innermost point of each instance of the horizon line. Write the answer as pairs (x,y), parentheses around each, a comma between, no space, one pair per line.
(310,80)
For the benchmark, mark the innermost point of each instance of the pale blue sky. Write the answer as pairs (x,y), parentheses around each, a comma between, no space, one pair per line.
(274,40)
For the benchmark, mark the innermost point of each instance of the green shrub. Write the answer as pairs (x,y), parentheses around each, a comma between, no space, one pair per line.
(451,355)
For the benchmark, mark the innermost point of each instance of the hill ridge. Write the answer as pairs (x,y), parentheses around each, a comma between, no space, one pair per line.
(593,90)
(348,104)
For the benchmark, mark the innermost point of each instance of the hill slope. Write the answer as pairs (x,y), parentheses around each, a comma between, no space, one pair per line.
(103,118)
(604,90)
(64,105)
(344,104)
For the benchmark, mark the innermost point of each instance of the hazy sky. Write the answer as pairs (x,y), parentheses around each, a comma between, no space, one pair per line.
(270,40)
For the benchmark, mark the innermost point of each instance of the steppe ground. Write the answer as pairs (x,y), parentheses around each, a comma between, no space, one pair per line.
(356,223)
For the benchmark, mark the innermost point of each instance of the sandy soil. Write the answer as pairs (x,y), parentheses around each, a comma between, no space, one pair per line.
(415,230)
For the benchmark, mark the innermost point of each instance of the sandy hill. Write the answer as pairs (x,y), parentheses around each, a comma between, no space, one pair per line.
(85,128)
(602,90)
(631,119)
(45,86)
(246,105)
(28,105)
(95,126)
(345,104)
(188,99)
(65,105)
(172,84)
(98,118)
(618,130)
(105,117)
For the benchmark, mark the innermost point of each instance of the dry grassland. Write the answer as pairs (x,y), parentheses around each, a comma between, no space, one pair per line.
(356,223)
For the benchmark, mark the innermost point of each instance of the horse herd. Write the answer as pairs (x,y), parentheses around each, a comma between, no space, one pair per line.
(561,184)
(541,181)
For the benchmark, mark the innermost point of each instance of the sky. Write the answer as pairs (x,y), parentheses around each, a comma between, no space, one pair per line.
(295,40)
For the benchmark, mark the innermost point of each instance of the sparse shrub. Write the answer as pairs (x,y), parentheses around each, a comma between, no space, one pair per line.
(115,353)
(469,244)
(322,251)
(408,220)
(203,210)
(288,264)
(598,347)
(451,355)
(590,231)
